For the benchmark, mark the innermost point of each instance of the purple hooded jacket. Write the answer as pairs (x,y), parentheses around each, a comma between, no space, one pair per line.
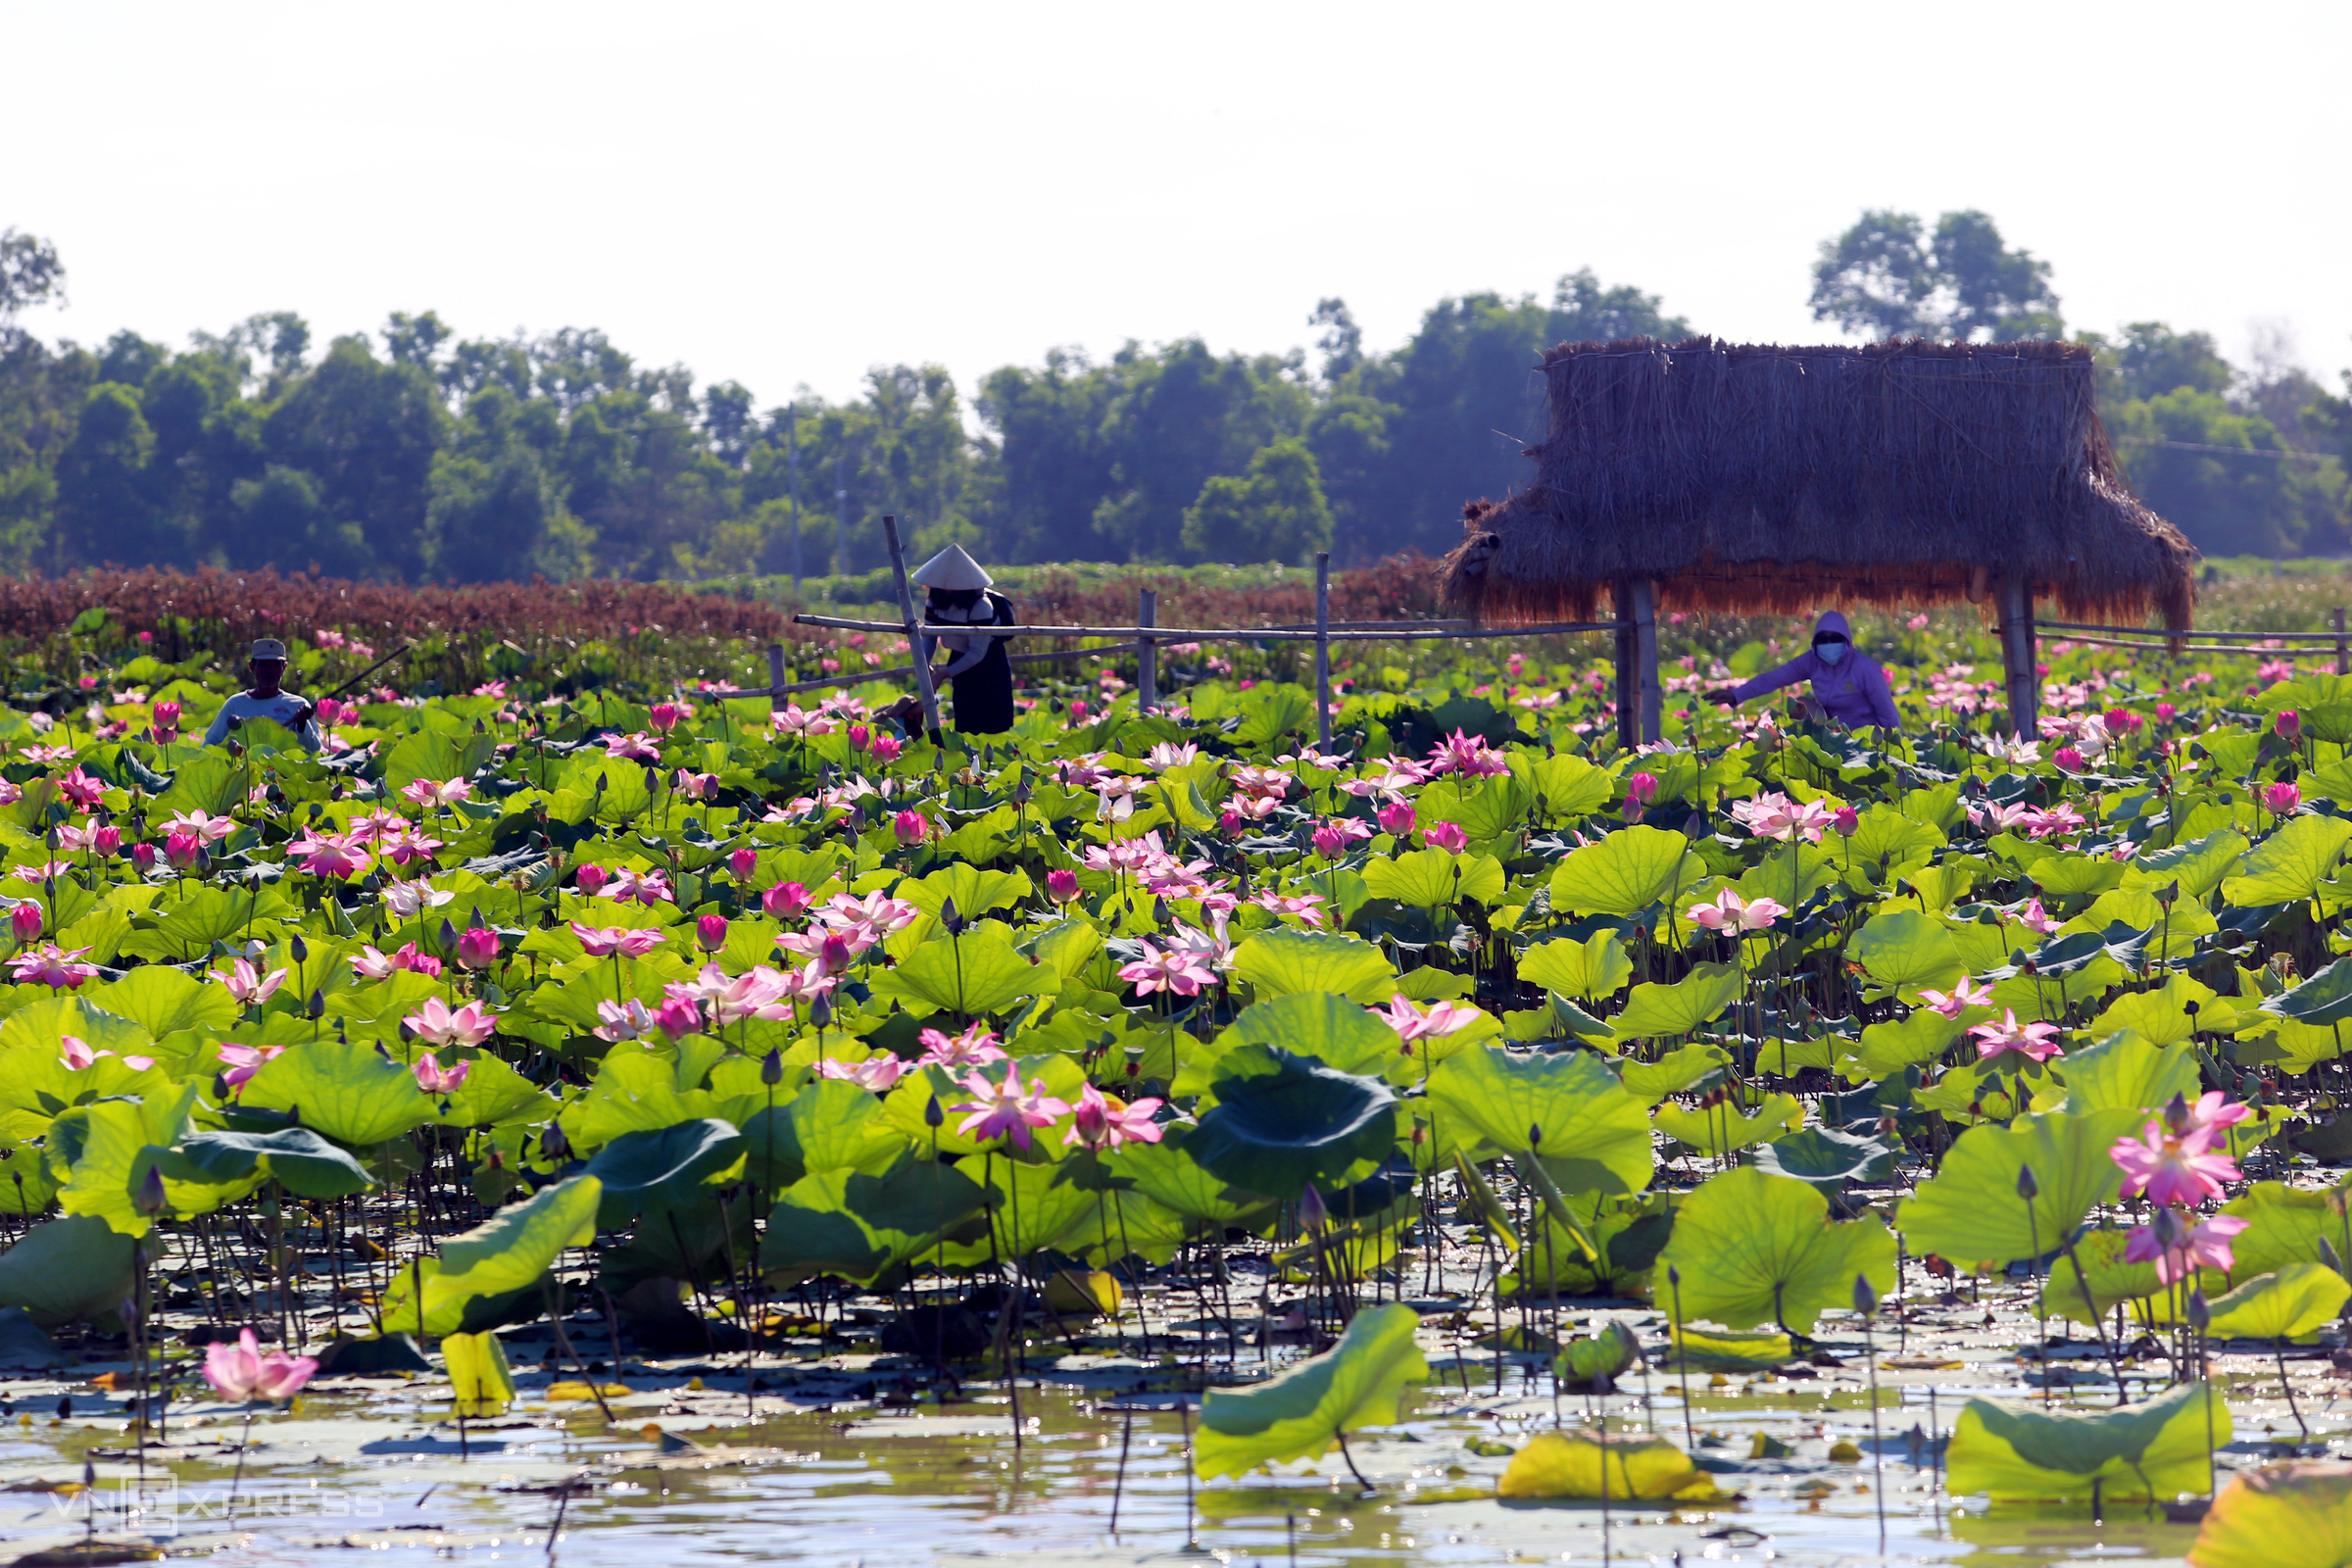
(1853,691)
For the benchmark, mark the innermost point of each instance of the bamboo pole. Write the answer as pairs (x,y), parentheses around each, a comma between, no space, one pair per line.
(1628,699)
(1323,649)
(1645,652)
(914,634)
(2343,650)
(1146,672)
(775,666)
(2017,656)
(2168,634)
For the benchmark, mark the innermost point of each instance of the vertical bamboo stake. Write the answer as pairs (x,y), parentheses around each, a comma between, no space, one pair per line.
(915,632)
(1323,649)
(1621,604)
(1645,652)
(2017,656)
(2343,649)
(1147,658)
(775,668)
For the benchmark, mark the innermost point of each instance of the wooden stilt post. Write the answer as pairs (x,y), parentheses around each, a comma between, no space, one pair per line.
(775,668)
(1645,654)
(1628,730)
(2343,649)
(915,633)
(1323,647)
(2017,656)
(1147,658)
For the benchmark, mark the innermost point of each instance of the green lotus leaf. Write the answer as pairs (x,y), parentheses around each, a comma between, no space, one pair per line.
(2032,1453)
(2072,876)
(1335,1031)
(2125,1072)
(2290,864)
(1905,950)
(1886,1049)
(1675,1072)
(1281,961)
(1066,947)
(1626,1233)
(2159,1016)
(2284,1224)
(1030,1208)
(1595,969)
(1283,1122)
(634,1091)
(2098,1255)
(1300,1413)
(68,1270)
(1885,833)
(2280,1516)
(978,972)
(829,1125)
(161,1000)
(1167,1173)
(1566,785)
(1826,1157)
(1724,1129)
(1664,1010)
(1595,1137)
(1430,878)
(1939,887)
(439,757)
(1970,1211)
(1754,1248)
(303,1162)
(861,1227)
(33,1075)
(344,1089)
(115,1143)
(1626,873)
(2198,865)
(2289,1304)
(493,1094)
(506,1255)
(481,1382)
(1626,1467)
(976,892)
(649,1172)
(1711,1351)
(1603,1354)
(906,1111)
(2323,1000)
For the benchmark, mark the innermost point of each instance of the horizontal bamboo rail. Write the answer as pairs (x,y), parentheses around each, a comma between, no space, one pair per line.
(1408,630)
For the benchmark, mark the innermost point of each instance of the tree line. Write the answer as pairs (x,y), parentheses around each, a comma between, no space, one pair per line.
(416,455)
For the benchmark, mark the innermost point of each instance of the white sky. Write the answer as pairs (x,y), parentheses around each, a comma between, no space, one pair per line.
(788,194)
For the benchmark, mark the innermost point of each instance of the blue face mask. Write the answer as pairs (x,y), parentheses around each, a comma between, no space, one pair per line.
(1830,652)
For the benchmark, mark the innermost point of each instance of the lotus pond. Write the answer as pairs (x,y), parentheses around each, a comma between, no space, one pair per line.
(601,1127)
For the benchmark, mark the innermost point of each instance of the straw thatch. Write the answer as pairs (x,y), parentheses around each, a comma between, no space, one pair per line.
(1756,478)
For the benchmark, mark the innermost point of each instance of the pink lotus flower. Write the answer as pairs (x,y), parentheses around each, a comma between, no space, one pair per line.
(877,1072)
(589,879)
(2165,712)
(408,900)
(637,748)
(1729,912)
(240,1372)
(1846,821)
(758,992)
(1177,971)
(648,888)
(182,851)
(78,1056)
(1105,1121)
(1398,817)
(787,901)
(142,859)
(438,1024)
(435,1079)
(911,828)
(82,789)
(2036,919)
(2039,1041)
(1446,836)
(424,792)
(2282,800)
(1006,1109)
(1459,753)
(249,988)
(201,825)
(2172,1168)
(329,855)
(742,863)
(477,947)
(1995,817)
(695,786)
(976,1047)
(24,921)
(877,910)
(2289,725)
(678,1017)
(886,748)
(2068,759)
(1062,886)
(602,942)
(1964,995)
(1304,906)
(53,966)
(665,716)
(107,840)
(2178,1251)
(1642,788)
(238,1064)
(1411,1024)
(710,932)
(618,1021)
(1772,815)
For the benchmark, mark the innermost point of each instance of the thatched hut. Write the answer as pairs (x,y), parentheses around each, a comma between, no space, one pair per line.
(1758,478)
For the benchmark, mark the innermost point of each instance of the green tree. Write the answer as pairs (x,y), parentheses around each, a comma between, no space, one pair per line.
(31,274)
(1275,513)
(2226,478)
(288,507)
(106,501)
(1889,276)
(365,432)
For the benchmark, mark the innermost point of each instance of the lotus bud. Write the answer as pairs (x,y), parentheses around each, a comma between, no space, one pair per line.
(150,1199)
(449,935)
(1062,886)
(710,932)
(1534,1136)
(2200,1312)
(2027,1187)
(678,1017)
(911,827)
(933,1115)
(107,840)
(949,919)
(477,949)
(1866,1299)
(25,922)
(298,949)
(2175,1115)
(743,862)
(1312,1211)
(142,859)
(2289,725)
(821,1011)
(653,784)
(552,1145)
(318,1007)
(771,1068)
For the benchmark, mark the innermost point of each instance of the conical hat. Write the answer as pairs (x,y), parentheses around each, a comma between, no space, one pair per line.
(952,569)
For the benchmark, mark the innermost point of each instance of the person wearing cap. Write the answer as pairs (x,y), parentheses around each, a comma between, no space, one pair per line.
(267,663)
(1848,686)
(958,596)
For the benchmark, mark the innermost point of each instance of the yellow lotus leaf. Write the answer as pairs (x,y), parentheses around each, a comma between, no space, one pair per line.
(1579,1464)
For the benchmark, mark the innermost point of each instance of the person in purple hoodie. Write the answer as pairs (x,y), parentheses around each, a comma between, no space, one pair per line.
(1848,686)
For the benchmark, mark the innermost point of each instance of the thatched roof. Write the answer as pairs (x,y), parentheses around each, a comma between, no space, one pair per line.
(1757,478)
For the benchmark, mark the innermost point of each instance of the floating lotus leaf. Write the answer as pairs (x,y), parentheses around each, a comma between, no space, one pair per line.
(2284,1516)
(1301,1412)
(1754,1248)
(2289,1304)
(1626,1467)
(2150,1451)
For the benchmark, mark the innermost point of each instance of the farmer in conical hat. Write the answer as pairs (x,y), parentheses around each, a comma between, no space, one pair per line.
(267,663)
(960,596)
